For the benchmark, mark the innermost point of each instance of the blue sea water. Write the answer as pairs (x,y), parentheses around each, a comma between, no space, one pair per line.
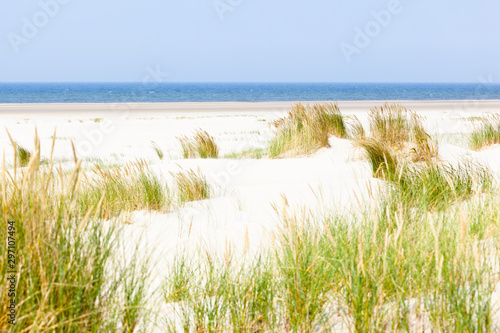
(240,92)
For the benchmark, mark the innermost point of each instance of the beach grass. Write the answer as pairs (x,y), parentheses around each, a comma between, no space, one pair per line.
(383,160)
(200,145)
(159,152)
(487,133)
(63,256)
(117,190)
(435,186)
(392,123)
(356,131)
(191,186)
(252,153)
(306,129)
(402,129)
(381,271)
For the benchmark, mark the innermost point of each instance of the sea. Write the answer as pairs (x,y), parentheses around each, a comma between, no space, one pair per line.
(240,92)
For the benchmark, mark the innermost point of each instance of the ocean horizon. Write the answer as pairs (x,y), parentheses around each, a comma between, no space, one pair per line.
(241,92)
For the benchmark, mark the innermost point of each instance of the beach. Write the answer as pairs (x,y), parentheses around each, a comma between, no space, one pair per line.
(249,195)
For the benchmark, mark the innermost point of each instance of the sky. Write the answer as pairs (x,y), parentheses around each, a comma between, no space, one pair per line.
(250,40)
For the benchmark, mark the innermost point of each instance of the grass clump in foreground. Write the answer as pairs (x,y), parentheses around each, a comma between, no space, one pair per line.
(487,133)
(67,276)
(191,186)
(201,145)
(112,191)
(381,271)
(306,129)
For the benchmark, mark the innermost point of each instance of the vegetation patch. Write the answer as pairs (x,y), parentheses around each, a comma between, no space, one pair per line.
(116,190)
(487,133)
(191,186)
(63,257)
(306,129)
(200,145)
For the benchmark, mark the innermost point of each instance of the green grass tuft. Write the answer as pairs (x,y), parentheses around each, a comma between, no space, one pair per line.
(63,256)
(117,190)
(201,145)
(487,133)
(191,186)
(383,161)
(306,129)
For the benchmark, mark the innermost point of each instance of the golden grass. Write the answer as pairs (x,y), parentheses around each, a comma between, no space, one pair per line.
(201,145)
(191,186)
(397,137)
(306,129)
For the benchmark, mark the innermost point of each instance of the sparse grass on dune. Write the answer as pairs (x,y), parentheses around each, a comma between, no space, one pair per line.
(429,184)
(191,186)
(117,190)
(63,255)
(306,129)
(375,272)
(252,153)
(381,271)
(487,133)
(201,145)
(439,186)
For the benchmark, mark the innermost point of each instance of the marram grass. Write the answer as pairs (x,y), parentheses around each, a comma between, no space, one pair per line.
(306,129)
(403,130)
(117,190)
(487,133)
(372,272)
(200,145)
(191,186)
(63,256)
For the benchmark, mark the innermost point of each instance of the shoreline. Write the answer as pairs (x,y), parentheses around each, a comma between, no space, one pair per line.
(17,109)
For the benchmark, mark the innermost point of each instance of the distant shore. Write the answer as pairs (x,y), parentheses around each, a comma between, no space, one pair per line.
(73,109)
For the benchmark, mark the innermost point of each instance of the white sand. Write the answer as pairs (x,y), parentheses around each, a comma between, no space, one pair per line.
(333,179)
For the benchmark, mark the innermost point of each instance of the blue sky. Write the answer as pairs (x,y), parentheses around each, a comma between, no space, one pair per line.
(250,40)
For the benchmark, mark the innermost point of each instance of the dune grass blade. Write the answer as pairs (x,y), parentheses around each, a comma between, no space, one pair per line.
(306,129)
(201,145)
(357,130)
(159,152)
